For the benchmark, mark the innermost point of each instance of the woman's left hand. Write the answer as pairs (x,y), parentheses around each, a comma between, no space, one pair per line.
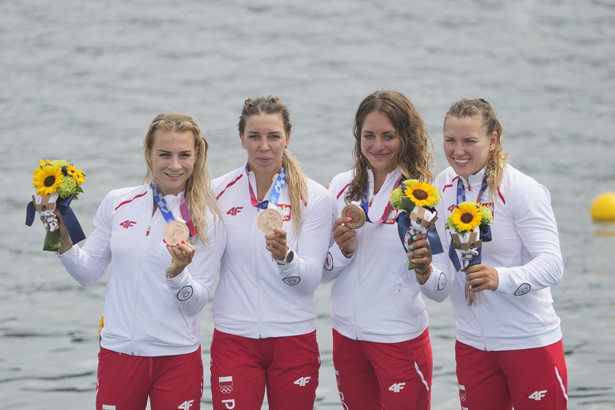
(181,257)
(276,243)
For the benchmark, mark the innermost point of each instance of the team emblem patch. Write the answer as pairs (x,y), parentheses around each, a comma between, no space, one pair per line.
(523,289)
(462,392)
(442,281)
(226,384)
(329,262)
(291,280)
(185,293)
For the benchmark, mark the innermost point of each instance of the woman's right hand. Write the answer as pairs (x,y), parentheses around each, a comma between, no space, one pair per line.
(65,241)
(343,236)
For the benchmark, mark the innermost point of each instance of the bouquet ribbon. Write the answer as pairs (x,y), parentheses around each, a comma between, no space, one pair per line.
(69,217)
(485,236)
(403,224)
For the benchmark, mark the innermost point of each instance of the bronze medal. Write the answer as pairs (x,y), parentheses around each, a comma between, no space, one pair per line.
(175,232)
(268,219)
(356,213)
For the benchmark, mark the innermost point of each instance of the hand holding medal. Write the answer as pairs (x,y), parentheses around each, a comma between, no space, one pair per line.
(268,219)
(175,233)
(356,214)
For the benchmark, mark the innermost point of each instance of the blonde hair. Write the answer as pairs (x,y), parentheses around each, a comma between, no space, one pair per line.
(414,156)
(498,158)
(198,193)
(295,179)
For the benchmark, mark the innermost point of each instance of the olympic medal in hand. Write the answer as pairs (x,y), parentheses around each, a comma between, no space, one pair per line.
(356,213)
(175,232)
(268,219)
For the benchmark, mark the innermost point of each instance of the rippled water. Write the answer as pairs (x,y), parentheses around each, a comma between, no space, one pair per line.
(82,80)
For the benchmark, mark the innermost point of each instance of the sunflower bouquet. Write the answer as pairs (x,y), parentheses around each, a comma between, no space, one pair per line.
(469,228)
(465,223)
(57,183)
(416,200)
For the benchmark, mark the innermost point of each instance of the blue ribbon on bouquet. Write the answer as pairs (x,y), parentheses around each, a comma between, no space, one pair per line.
(403,224)
(69,217)
(484,235)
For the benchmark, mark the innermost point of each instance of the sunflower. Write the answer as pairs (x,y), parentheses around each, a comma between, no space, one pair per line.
(70,170)
(79,176)
(421,193)
(465,217)
(76,174)
(47,179)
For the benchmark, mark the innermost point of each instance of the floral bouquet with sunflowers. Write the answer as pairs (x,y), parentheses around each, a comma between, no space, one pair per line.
(416,200)
(57,183)
(469,227)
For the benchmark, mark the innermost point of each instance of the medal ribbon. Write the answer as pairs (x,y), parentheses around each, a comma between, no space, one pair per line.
(272,202)
(387,209)
(166,212)
(183,208)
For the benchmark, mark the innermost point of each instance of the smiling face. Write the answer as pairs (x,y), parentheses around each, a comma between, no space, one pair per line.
(379,143)
(466,144)
(172,159)
(265,139)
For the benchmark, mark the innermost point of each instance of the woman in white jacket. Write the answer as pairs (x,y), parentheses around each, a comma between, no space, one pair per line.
(381,348)
(150,342)
(509,348)
(263,310)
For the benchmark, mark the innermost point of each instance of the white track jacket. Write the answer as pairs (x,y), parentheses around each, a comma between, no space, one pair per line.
(146,314)
(375,297)
(524,250)
(256,297)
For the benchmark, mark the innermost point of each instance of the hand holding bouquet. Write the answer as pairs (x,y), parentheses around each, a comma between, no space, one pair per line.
(57,183)
(469,227)
(416,199)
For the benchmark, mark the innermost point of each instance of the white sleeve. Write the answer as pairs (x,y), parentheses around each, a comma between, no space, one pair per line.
(537,228)
(312,243)
(88,264)
(192,287)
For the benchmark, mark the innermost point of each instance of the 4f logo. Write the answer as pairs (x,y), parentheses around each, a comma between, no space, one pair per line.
(538,395)
(302,381)
(186,405)
(234,210)
(128,224)
(397,387)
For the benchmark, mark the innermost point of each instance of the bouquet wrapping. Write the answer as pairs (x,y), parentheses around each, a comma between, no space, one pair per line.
(416,200)
(469,227)
(57,183)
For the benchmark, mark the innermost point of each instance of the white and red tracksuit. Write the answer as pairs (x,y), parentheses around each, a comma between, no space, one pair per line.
(146,314)
(377,303)
(259,303)
(525,251)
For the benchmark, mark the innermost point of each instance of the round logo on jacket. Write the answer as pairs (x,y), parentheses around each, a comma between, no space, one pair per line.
(523,289)
(291,280)
(185,293)
(329,262)
(442,281)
